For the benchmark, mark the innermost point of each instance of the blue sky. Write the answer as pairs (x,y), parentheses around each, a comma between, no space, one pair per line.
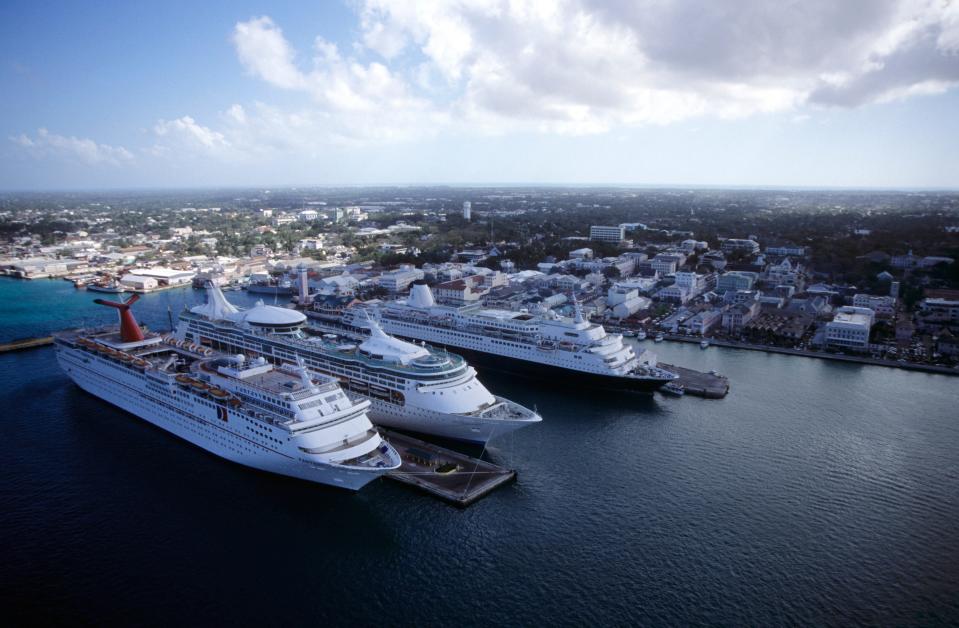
(857,94)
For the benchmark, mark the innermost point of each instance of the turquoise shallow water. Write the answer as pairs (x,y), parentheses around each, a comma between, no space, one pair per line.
(816,493)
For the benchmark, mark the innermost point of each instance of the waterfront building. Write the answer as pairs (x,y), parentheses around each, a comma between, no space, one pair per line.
(605,233)
(704,322)
(850,328)
(738,316)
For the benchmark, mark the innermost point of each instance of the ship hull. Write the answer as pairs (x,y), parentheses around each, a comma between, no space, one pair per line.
(459,427)
(559,376)
(204,432)
(269,290)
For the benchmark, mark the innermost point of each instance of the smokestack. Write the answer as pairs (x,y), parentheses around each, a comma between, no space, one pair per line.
(129,329)
(420,296)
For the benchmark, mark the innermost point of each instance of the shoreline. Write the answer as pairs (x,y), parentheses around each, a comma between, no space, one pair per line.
(837,357)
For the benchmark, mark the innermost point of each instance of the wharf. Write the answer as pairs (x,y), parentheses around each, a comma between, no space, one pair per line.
(699,384)
(26,343)
(467,479)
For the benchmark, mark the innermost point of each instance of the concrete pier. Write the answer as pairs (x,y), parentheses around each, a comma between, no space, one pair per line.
(26,343)
(444,473)
(699,384)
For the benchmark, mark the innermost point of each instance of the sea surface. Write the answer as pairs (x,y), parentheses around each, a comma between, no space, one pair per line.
(815,493)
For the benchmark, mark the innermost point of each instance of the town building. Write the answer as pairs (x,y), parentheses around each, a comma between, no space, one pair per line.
(735,280)
(398,281)
(849,328)
(884,307)
(734,245)
(605,233)
(738,316)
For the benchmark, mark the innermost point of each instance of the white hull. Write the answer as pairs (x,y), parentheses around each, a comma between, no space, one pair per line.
(199,425)
(460,427)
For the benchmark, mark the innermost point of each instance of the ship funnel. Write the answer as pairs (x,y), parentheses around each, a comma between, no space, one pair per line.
(216,306)
(129,329)
(420,296)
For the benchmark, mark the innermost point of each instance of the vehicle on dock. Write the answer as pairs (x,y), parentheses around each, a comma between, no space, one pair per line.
(674,389)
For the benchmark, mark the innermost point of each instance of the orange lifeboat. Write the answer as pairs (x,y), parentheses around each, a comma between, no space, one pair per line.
(199,385)
(183,378)
(218,392)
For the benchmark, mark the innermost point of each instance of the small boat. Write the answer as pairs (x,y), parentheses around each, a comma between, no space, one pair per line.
(629,334)
(674,389)
(704,344)
(659,337)
(111,287)
(641,334)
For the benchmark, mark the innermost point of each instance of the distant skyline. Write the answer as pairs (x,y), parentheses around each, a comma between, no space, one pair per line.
(816,94)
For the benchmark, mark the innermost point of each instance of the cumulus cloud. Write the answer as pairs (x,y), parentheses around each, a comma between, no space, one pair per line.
(588,66)
(592,64)
(46,144)
(417,70)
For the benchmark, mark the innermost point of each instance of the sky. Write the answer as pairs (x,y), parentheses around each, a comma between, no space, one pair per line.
(810,93)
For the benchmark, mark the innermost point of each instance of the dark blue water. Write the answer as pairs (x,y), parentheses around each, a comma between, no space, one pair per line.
(816,493)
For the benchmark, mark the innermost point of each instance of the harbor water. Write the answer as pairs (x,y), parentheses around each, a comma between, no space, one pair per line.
(815,493)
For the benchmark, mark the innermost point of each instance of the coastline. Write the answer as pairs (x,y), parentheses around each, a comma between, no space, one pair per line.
(837,357)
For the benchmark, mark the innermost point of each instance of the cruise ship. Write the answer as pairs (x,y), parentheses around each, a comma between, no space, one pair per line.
(545,344)
(281,419)
(409,386)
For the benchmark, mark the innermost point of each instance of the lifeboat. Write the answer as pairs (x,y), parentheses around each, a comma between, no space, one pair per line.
(218,392)
(126,357)
(199,385)
(140,362)
(183,378)
(234,402)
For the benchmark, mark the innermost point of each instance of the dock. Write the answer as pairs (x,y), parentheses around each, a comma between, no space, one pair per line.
(449,475)
(699,384)
(26,343)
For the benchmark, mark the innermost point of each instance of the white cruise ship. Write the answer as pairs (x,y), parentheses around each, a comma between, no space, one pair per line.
(545,344)
(410,387)
(285,420)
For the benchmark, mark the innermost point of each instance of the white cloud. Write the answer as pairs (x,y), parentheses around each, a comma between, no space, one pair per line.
(187,131)
(46,144)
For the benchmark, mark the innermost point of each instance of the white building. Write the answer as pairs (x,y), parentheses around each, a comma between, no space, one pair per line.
(308,215)
(884,307)
(850,328)
(735,280)
(944,309)
(399,280)
(312,244)
(607,233)
(467,210)
(138,282)
(796,251)
(693,283)
(165,276)
(750,247)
